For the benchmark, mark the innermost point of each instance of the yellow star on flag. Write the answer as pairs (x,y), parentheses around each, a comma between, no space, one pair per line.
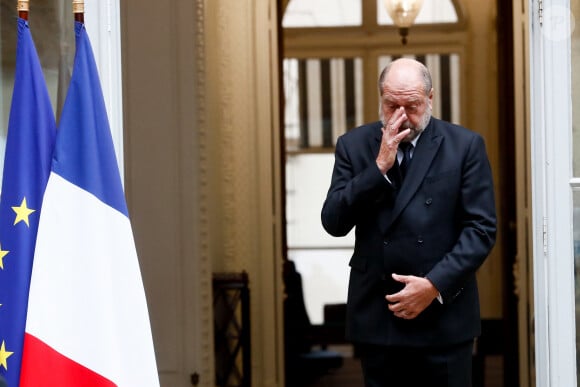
(2,255)
(4,355)
(22,213)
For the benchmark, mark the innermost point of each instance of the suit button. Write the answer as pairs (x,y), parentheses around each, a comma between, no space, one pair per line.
(385,242)
(420,240)
(428,201)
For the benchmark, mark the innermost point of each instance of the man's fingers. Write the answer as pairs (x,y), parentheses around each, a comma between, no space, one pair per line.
(392,298)
(398,307)
(401,311)
(403,134)
(397,119)
(401,118)
(399,277)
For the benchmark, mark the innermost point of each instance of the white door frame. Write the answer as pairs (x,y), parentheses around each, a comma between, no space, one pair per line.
(551,169)
(103,24)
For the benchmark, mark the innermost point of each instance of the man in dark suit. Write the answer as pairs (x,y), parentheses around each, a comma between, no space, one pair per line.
(419,193)
(3,382)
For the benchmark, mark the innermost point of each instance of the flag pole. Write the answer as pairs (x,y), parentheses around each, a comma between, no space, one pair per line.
(23,6)
(79,10)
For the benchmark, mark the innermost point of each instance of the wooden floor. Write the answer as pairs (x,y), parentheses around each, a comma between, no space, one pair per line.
(350,375)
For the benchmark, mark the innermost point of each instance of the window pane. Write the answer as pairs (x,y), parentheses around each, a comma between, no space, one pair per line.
(322,13)
(52,28)
(323,99)
(433,11)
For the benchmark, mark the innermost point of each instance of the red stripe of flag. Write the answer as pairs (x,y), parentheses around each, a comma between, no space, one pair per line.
(43,366)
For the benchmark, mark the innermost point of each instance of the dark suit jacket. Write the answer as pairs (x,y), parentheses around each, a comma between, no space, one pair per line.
(439,223)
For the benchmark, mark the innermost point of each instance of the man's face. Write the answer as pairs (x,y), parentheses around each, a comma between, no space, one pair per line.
(400,90)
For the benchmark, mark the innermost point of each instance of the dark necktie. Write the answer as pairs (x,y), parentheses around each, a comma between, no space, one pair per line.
(406,147)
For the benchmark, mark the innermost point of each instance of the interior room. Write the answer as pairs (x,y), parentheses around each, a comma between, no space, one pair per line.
(225,116)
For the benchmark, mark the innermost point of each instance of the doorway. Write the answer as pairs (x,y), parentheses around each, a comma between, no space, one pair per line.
(329,69)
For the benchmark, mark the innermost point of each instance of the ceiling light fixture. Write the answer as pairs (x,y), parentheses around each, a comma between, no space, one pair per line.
(403,13)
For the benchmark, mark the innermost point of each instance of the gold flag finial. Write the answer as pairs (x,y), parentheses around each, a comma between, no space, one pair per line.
(23,6)
(78,6)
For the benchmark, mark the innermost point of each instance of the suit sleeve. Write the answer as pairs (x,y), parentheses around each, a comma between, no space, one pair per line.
(355,184)
(477,222)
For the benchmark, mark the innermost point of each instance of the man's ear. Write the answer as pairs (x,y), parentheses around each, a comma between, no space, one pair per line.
(430,98)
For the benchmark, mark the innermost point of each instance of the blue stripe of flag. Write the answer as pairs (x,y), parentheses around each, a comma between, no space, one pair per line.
(84,153)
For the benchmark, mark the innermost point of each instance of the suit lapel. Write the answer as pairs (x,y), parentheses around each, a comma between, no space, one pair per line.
(423,156)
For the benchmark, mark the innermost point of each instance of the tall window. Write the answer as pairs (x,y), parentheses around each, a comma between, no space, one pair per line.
(323,100)
(52,27)
(323,13)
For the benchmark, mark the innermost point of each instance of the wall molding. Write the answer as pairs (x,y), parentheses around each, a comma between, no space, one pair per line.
(205,335)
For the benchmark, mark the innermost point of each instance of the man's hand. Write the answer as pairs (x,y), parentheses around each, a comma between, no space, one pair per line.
(417,295)
(391,139)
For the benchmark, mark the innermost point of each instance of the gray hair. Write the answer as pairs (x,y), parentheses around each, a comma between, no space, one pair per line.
(425,74)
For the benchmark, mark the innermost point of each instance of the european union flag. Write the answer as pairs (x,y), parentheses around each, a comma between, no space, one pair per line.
(29,146)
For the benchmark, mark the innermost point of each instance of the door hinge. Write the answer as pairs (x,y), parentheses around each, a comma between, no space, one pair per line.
(545,235)
(541,11)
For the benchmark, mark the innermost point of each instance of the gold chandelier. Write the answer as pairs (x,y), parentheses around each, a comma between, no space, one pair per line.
(403,13)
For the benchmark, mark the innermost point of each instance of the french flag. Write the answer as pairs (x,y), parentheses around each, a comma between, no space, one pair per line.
(87,322)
